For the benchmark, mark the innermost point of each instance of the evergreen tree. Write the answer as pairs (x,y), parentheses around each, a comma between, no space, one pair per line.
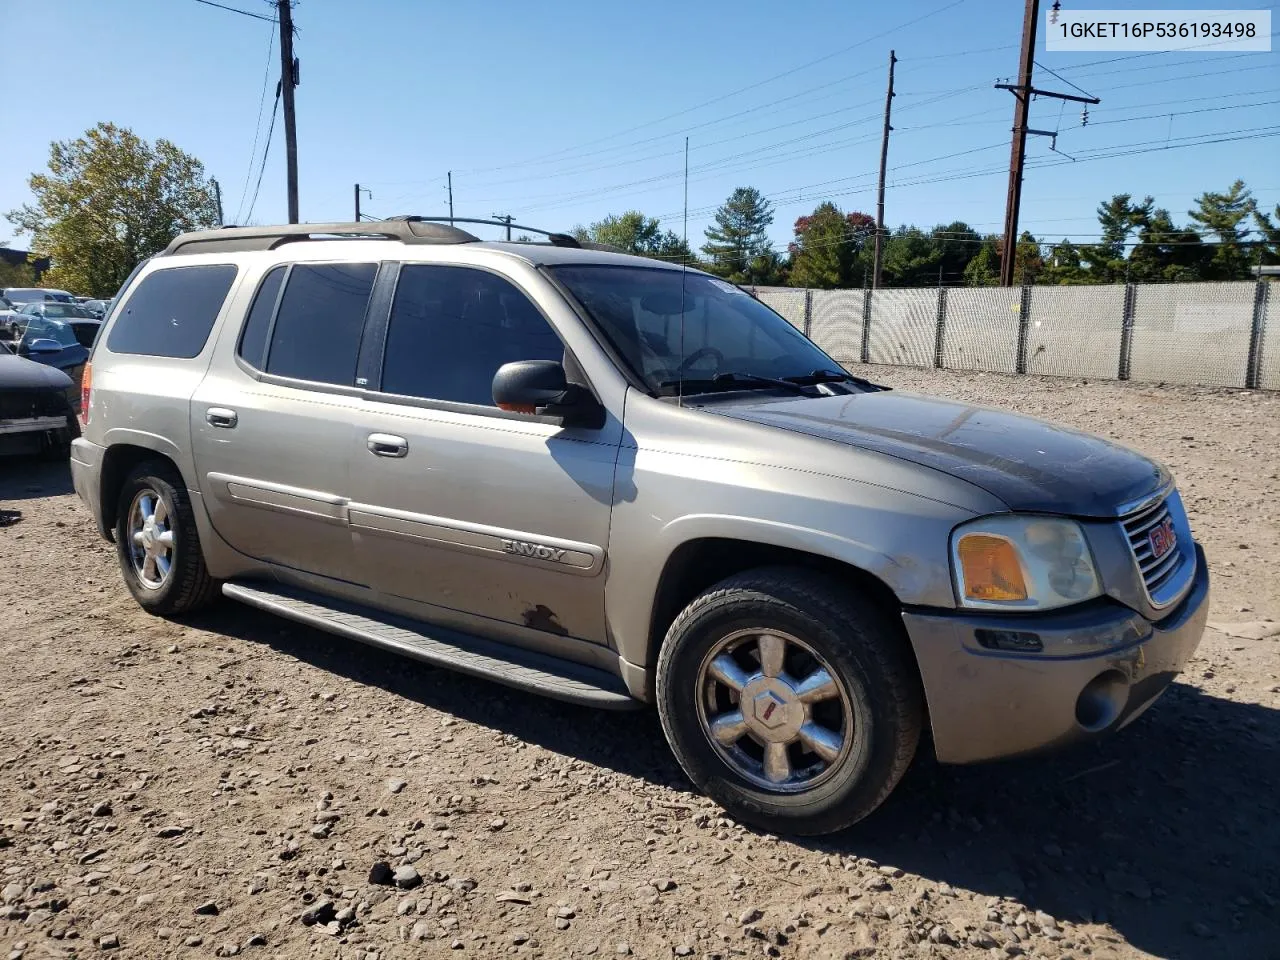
(1222,214)
(738,243)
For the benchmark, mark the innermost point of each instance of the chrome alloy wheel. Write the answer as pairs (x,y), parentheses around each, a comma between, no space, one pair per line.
(774,710)
(151,538)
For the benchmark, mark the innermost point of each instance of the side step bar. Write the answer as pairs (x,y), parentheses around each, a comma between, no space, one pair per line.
(513,666)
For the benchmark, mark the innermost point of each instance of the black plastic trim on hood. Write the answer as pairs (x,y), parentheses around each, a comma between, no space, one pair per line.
(1029,464)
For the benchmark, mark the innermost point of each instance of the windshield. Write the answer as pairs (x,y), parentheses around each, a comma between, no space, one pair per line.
(72,310)
(725,330)
(40,328)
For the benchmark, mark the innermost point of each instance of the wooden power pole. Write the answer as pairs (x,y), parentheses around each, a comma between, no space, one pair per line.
(289,80)
(1023,91)
(217,193)
(884,158)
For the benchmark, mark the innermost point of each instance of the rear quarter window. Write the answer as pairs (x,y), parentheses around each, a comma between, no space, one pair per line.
(171,311)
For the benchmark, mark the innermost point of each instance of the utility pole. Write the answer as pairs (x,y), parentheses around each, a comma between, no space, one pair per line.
(884,159)
(360,190)
(450,194)
(217,193)
(505,218)
(289,80)
(686,191)
(1023,91)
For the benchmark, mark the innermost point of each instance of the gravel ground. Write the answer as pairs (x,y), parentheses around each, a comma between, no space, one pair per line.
(231,785)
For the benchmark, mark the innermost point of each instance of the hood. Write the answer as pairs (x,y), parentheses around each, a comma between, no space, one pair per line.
(1029,464)
(19,373)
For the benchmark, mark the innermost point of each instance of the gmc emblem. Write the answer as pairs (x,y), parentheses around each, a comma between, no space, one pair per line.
(1162,538)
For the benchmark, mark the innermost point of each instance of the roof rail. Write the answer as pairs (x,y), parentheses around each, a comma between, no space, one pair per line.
(234,239)
(557,239)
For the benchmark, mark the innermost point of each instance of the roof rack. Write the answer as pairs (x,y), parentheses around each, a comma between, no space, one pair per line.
(406,228)
(557,239)
(234,239)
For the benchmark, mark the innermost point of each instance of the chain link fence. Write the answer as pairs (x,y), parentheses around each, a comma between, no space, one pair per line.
(1211,334)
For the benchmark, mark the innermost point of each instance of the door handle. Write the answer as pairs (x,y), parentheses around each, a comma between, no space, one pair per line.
(221,417)
(388,445)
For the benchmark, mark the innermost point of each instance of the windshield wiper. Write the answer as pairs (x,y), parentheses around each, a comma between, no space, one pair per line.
(733,381)
(833,376)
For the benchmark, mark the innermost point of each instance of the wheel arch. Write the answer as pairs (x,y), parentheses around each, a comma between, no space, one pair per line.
(698,563)
(117,463)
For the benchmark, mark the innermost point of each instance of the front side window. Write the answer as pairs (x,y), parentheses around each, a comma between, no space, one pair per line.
(171,311)
(316,335)
(673,327)
(451,328)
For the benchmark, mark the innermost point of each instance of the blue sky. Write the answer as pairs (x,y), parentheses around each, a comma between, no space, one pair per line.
(562,113)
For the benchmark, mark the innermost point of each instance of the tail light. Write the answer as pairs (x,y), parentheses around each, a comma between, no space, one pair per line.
(86,393)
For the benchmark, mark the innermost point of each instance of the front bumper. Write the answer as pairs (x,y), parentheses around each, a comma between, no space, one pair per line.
(86,477)
(986,704)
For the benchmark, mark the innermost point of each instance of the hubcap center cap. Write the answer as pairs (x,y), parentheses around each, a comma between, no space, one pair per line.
(772,710)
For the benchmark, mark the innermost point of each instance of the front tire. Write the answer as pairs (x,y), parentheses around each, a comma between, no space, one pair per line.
(158,545)
(789,700)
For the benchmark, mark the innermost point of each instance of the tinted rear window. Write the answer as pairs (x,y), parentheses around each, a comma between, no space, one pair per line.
(317,330)
(171,312)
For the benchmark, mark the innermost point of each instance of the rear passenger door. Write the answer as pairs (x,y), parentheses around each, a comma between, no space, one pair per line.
(483,513)
(272,423)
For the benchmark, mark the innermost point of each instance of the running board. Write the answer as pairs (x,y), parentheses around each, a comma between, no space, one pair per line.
(441,647)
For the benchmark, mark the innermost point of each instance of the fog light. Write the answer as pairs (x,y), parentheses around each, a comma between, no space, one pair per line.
(1018,640)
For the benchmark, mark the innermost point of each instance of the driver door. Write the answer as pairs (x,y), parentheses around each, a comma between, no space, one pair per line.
(485,513)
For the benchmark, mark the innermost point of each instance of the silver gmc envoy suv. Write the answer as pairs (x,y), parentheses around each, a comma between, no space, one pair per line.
(615,481)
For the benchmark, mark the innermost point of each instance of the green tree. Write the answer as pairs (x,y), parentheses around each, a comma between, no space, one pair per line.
(826,246)
(1270,231)
(957,244)
(1222,215)
(1166,251)
(738,243)
(109,200)
(635,233)
(1028,261)
(984,269)
(1063,265)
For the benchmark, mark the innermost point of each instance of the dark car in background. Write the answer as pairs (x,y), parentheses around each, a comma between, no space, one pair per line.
(52,342)
(36,412)
(99,308)
(81,320)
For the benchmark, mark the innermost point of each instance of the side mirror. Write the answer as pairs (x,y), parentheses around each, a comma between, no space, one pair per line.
(540,386)
(44,345)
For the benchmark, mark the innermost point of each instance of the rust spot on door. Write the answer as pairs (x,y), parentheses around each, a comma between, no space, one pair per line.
(544,618)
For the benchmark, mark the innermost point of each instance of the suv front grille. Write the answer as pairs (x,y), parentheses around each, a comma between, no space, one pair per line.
(1165,577)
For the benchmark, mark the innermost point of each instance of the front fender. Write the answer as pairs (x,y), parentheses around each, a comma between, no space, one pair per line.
(898,537)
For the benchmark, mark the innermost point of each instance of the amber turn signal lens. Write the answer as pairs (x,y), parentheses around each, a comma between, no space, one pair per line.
(86,392)
(991,568)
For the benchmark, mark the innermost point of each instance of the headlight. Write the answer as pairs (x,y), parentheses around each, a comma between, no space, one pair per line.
(1008,562)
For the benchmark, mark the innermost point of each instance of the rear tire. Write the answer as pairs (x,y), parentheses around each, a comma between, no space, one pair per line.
(828,707)
(158,545)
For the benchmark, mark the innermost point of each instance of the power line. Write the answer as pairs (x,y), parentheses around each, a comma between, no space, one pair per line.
(1153,53)
(1063,79)
(266,150)
(750,86)
(257,127)
(245,13)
